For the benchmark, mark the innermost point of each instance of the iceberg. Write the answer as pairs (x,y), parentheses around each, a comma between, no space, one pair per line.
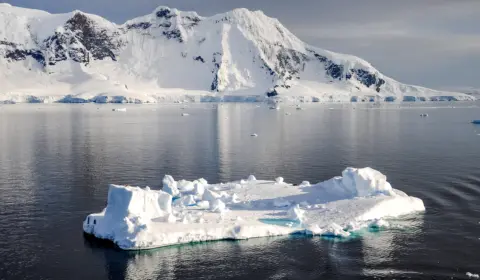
(141,218)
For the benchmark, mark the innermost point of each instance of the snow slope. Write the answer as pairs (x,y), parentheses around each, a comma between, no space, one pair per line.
(172,55)
(185,211)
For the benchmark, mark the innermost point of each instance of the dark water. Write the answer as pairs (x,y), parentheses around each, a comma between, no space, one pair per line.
(57,160)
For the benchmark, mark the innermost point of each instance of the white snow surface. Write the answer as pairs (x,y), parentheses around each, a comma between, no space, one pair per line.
(171,55)
(137,218)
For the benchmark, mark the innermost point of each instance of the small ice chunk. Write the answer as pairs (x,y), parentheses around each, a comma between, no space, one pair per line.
(185,186)
(243,182)
(296,213)
(203,204)
(251,178)
(199,189)
(313,230)
(305,184)
(379,223)
(202,181)
(210,196)
(171,219)
(170,186)
(224,194)
(336,231)
(254,135)
(279,180)
(471,275)
(119,109)
(234,198)
(423,115)
(185,114)
(188,200)
(218,206)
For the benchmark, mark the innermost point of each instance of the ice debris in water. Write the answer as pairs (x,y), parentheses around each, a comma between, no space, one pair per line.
(254,135)
(185,114)
(189,211)
(119,109)
(379,223)
(471,275)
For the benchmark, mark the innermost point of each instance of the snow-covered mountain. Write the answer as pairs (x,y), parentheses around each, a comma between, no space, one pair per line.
(173,55)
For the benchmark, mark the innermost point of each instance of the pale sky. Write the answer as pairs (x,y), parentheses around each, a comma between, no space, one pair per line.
(432,43)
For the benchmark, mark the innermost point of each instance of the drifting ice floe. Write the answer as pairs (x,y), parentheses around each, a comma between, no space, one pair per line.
(472,275)
(185,211)
(119,109)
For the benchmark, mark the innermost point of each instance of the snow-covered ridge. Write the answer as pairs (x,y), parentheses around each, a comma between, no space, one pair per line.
(186,211)
(173,55)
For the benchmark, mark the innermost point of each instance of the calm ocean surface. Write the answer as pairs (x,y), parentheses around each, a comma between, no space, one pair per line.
(56,162)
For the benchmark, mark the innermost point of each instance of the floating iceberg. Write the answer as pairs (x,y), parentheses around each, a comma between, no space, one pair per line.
(185,211)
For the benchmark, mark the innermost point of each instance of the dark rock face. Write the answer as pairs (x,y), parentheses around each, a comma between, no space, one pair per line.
(192,21)
(289,61)
(268,69)
(337,71)
(81,41)
(95,40)
(13,52)
(165,13)
(174,34)
(18,54)
(8,44)
(199,58)
(140,25)
(365,77)
(216,63)
(332,69)
(165,24)
(272,93)
(368,79)
(58,48)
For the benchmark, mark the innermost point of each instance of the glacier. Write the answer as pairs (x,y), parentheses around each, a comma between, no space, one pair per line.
(171,55)
(195,211)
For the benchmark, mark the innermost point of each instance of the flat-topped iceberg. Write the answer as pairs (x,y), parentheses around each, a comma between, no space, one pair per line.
(185,211)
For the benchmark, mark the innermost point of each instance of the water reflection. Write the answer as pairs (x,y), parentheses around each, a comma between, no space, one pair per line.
(56,162)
